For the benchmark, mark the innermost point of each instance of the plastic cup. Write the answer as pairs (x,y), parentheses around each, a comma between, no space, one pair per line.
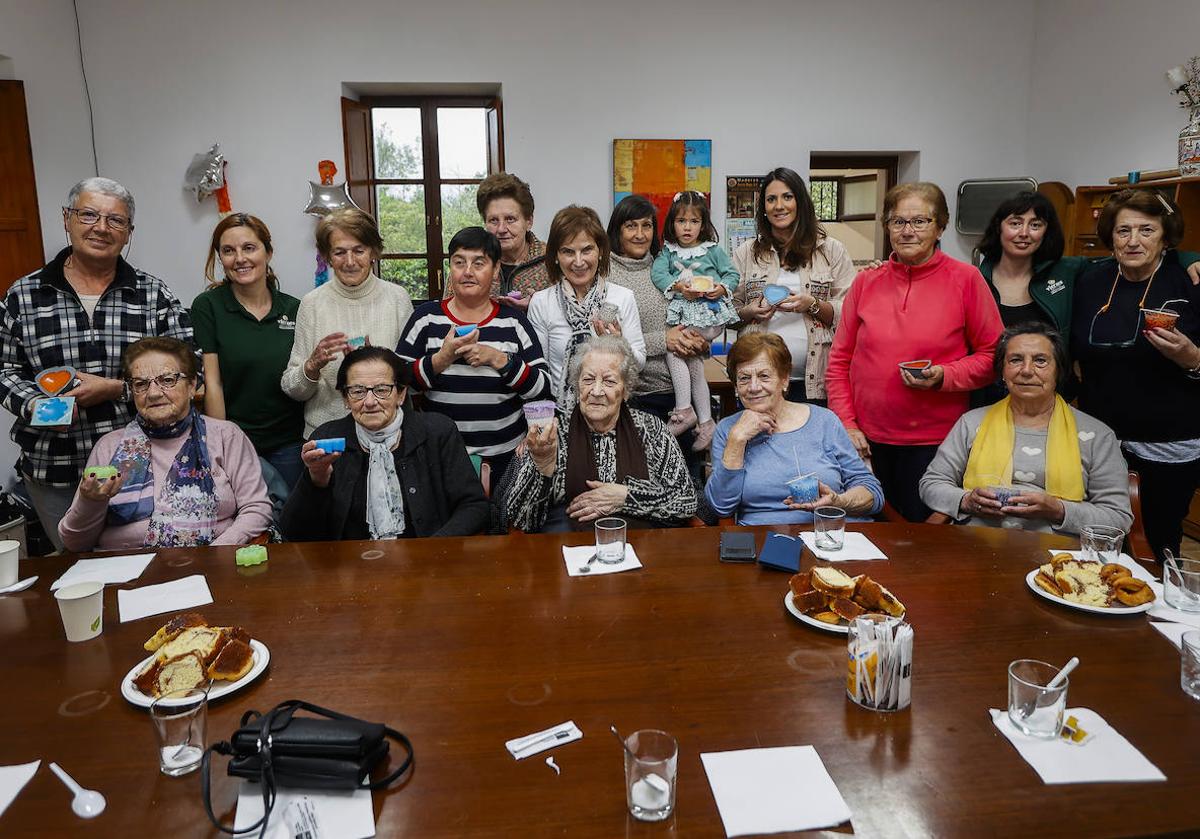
(651,759)
(803,489)
(1189,677)
(1002,489)
(180,719)
(1036,711)
(1160,318)
(82,609)
(539,413)
(829,525)
(610,541)
(10,549)
(1101,543)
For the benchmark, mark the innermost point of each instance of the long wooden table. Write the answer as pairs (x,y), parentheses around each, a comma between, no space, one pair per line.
(465,643)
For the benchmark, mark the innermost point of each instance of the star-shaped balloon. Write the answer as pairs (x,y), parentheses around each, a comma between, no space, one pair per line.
(206,174)
(325,198)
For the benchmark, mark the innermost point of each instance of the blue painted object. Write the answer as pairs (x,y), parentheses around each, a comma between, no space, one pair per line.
(776,294)
(464,330)
(804,489)
(331,445)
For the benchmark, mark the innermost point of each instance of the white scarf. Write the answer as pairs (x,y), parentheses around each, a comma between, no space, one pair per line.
(385,498)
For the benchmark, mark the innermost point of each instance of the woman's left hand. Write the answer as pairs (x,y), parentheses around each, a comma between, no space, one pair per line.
(1174,345)
(933,378)
(1032,504)
(826,497)
(601,500)
(797,303)
(606,327)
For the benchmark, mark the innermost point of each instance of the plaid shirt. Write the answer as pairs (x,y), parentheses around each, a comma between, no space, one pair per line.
(43,324)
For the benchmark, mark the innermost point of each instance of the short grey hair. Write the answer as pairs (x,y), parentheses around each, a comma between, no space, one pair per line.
(103,186)
(611,345)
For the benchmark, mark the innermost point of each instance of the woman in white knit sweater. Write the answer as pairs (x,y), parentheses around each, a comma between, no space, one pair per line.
(354,308)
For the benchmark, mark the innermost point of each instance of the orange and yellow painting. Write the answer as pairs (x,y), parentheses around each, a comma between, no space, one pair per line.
(658,169)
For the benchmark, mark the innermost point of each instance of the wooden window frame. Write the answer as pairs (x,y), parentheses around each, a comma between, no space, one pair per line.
(839,194)
(358,128)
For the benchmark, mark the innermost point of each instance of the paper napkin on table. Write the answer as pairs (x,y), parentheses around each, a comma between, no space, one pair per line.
(1173,632)
(13,779)
(1164,612)
(1107,756)
(174,596)
(576,558)
(105,569)
(856,547)
(773,790)
(552,737)
(340,814)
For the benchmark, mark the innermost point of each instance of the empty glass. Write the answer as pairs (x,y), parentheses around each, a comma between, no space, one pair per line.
(651,758)
(1189,677)
(829,525)
(1181,583)
(1036,710)
(610,540)
(180,719)
(1101,543)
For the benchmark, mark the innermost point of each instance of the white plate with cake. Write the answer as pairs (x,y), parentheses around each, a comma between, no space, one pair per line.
(828,599)
(1100,588)
(186,653)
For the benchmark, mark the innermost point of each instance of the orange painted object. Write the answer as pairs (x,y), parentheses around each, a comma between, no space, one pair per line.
(1160,318)
(53,380)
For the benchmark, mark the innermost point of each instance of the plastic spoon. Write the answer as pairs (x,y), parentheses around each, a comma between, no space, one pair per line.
(87,803)
(1029,707)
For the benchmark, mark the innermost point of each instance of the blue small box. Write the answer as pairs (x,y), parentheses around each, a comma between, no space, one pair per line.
(331,444)
(464,330)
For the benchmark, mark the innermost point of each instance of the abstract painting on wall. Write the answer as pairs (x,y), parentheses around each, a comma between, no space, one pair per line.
(658,169)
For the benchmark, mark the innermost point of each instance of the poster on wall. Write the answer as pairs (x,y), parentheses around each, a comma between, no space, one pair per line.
(658,169)
(741,209)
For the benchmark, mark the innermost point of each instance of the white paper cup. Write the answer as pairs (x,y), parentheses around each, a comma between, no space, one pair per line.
(9,549)
(82,608)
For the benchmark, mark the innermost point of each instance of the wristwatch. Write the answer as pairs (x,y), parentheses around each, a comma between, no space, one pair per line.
(509,364)
(815,308)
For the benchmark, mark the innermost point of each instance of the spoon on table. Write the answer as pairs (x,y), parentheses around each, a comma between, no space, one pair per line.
(1059,678)
(87,803)
(586,568)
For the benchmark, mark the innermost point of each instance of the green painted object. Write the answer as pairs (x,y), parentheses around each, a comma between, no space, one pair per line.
(251,555)
(100,473)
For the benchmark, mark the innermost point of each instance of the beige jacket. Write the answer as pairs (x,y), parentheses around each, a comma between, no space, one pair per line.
(828,278)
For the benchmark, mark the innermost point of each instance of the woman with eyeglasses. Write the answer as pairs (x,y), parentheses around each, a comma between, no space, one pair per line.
(1030,461)
(391,474)
(1135,330)
(919,306)
(354,309)
(183,480)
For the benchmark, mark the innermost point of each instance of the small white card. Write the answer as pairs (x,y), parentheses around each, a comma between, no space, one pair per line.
(856,547)
(531,744)
(13,779)
(1106,757)
(341,814)
(773,790)
(577,558)
(105,569)
(1173,632)
(174,596)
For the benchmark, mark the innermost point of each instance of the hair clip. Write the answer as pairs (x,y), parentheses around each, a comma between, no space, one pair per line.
(678,195)
(1163,201)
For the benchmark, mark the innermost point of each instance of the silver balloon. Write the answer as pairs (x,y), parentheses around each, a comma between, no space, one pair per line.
(325,198)
(206,174)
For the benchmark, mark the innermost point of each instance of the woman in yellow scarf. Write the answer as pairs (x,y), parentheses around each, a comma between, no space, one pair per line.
(1030,461)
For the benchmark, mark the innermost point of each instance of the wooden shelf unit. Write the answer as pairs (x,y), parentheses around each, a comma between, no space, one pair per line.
(1090,200)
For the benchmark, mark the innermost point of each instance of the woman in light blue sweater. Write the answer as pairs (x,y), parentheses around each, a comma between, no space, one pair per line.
(756,452)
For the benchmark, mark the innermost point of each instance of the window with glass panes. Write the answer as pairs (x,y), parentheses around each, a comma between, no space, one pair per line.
(824,192)
(426,158)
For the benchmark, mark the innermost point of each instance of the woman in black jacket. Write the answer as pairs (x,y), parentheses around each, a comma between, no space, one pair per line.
(400,475)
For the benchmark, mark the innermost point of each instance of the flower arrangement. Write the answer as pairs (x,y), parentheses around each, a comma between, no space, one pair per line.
(1185,81)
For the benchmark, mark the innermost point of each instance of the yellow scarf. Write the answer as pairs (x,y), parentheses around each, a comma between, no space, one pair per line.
(992,451)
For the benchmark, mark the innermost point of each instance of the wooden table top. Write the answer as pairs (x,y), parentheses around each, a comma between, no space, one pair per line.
(465,643)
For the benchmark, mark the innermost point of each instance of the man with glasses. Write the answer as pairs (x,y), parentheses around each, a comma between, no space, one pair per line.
(81,310)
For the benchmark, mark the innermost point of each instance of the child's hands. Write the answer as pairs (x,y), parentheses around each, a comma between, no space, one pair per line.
(718,291)
(685,288)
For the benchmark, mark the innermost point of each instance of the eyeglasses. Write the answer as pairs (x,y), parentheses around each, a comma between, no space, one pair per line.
(165,382)
(91,217)
(917,224)
(1129,342)
(357,393)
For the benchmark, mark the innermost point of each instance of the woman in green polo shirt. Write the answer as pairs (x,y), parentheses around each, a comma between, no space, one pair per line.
(245,325)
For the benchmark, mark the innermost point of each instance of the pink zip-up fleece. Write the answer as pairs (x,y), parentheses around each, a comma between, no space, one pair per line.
(941,310)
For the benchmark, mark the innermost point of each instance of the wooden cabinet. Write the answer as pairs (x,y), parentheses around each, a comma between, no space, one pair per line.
(1090,200)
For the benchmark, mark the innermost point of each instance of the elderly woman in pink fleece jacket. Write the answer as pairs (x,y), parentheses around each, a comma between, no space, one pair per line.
(920,305)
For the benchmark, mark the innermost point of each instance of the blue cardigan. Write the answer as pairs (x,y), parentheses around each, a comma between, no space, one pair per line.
(754,494)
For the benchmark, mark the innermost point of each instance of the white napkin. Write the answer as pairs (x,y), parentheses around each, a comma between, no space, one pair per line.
(1106,757)
(552,737)
(576,558)
(773,790)
(1124,559)
(1163,612)
(1173,632)
(106,569)
(13,779)
(174,596)
(856,547)
(341,814)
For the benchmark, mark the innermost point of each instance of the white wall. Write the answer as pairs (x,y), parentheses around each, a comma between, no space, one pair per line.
(1099,104)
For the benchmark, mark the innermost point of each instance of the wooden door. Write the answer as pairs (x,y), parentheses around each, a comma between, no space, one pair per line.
(20,226)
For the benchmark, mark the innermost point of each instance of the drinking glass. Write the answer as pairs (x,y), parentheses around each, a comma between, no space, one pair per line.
(1036,711)
(1101,543)
(180,718)
(610,541)
(1189,677)
(829,525)
(651,757)
(1181,583)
